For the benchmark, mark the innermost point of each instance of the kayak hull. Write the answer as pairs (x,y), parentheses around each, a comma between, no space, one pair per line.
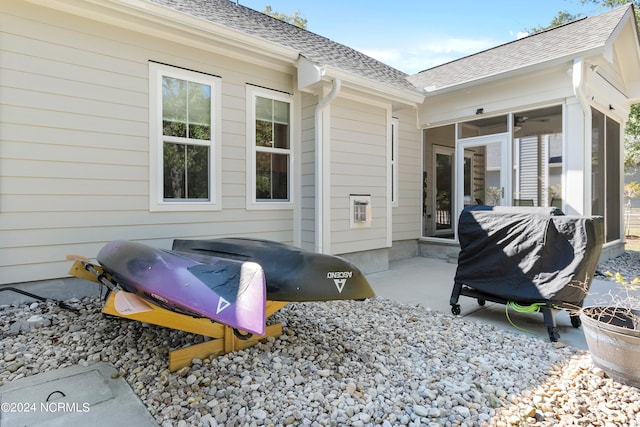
(228,291)
(291,273)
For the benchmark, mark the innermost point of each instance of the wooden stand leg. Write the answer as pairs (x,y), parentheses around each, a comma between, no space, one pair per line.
(183,357)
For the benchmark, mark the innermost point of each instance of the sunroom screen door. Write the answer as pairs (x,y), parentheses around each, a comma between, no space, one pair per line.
(486,172)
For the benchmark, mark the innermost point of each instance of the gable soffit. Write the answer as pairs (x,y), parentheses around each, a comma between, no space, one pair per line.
(626,48)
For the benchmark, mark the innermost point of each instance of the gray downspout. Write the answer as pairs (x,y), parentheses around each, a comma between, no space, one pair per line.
(322,149)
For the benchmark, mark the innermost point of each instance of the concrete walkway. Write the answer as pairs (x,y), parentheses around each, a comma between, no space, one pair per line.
(429,282)
(76,396)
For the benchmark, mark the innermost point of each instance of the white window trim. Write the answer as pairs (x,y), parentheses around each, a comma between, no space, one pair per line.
(252,203)
(156,199)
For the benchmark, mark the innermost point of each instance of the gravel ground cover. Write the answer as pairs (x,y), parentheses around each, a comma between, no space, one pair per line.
(341,363)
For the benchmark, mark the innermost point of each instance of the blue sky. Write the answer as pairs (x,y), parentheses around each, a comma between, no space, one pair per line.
(413,35)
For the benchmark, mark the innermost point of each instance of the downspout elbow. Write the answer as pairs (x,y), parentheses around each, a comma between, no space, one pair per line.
(324,102)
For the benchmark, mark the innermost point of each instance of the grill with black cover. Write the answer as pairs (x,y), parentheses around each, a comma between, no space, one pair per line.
(527,255)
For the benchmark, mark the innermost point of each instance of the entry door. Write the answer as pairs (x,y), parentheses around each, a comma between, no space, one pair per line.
(482,172)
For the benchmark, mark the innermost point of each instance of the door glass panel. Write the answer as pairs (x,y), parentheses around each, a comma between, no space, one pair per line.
(444,189)
(482,176)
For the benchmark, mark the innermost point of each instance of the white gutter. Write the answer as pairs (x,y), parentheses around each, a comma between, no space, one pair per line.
(323,152)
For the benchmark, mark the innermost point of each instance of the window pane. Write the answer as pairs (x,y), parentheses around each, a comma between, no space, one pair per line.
(173,168)
(280,181)
(264,133)
(281,112)
(264,109)
(199,111)
(174,99)
(186,109)
(272,123)
(197,172)
(186,171)
(170,128)
(281,135)
(201,132)
(272,176)
(174,106)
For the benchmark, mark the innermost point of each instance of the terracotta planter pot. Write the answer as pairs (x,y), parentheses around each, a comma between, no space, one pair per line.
(613,339)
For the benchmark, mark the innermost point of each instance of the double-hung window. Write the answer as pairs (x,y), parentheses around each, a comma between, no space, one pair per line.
(269,152)
(184,134)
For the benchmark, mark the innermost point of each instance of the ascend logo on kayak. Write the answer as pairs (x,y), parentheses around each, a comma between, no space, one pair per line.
(222,304)
(339,278)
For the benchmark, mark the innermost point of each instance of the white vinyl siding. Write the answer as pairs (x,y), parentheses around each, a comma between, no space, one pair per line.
(407,215)
(74,165)
(307,170)
(359,165)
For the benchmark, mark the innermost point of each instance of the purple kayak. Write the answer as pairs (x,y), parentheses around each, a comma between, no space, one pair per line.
(224,290)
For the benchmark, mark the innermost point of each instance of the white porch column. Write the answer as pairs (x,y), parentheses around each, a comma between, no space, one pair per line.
(576,155)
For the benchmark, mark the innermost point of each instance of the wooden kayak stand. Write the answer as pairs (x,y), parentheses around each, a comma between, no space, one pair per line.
(223,338)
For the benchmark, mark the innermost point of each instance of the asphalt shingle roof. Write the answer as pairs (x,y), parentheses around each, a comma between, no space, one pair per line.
(560,42)
(314,47)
